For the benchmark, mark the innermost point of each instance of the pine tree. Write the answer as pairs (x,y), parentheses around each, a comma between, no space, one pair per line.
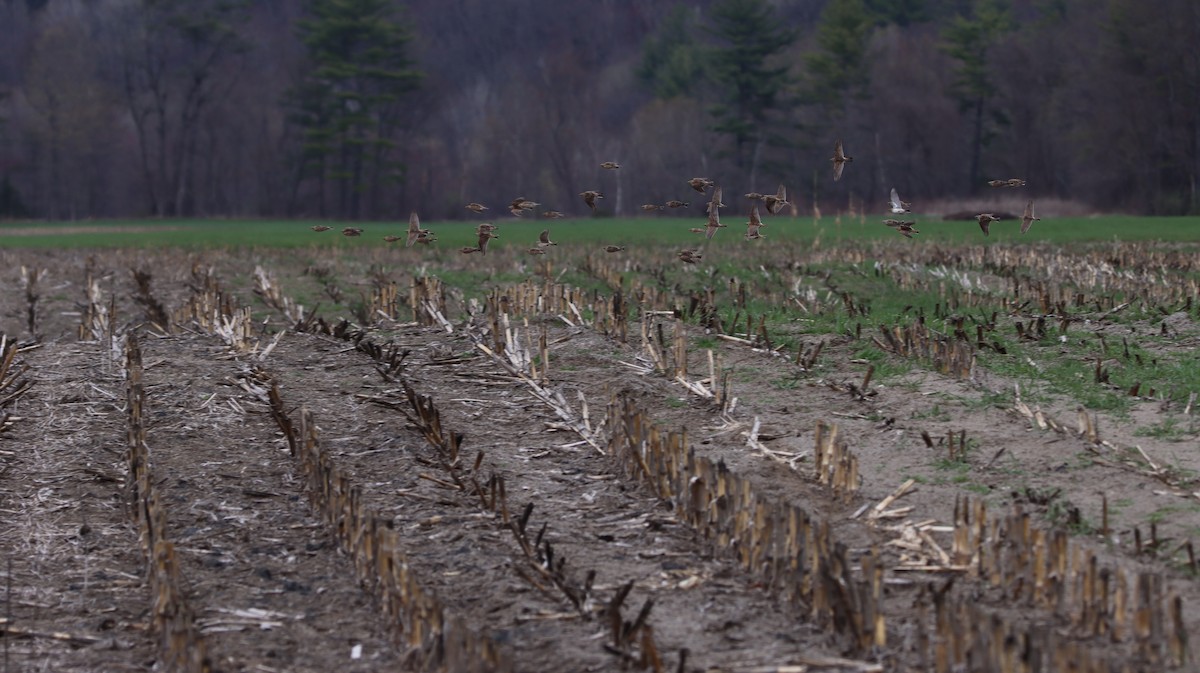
(838,69)
(750,83)
(969,41)
(348,102)
(672,61)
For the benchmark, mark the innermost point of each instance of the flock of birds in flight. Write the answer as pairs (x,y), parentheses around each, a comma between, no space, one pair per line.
(772,203)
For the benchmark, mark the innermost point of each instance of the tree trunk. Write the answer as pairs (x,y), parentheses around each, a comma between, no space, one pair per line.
(976,148)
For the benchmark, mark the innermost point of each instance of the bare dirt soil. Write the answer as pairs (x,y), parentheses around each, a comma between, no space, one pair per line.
(273,589)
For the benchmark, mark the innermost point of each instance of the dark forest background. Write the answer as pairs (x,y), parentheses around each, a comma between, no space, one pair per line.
(359,109)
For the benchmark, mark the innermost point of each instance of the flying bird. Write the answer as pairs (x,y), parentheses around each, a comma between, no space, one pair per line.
(537,251)
(414,229)
(651,207)
(1028,219)
(466,250)
(613,248)
(714,221)
(839,160)
(552,214)
(590,196)
(391,239)
(320,227)
(521,204)
(477,207)
(755,223)
(776,201)
(697,230)
(903,227)
(898,206)
(544,239)
(755,196)
(352,231)
(484,237)
(985,221)
(700,184)
(690,256)
(715,201)
(610,165)
(425,238)
(677,204)
(1012,182)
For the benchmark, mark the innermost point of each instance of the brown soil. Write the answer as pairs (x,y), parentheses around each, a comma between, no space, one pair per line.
(272,591)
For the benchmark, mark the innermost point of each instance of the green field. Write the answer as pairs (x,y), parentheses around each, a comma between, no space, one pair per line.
(592,231)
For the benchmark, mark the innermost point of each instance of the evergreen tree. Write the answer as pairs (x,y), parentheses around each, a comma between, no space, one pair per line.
(969,41)
(839,69)
(672,62)
(899,12)
(749,82)
(347,104)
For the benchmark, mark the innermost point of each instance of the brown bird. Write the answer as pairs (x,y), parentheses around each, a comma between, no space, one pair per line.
(755,223)
(486,226)
(651,207)
(700,184)
(714,223)
(425,238)
(352,231)
(477,207)
(320,227)
(589,197)
(613,248)
(391,239)
(677,204)
(544,238)
(985,221)
(898,206)
(484,237)
(552,215)
(903,227)
(839,160)
(697,230)
(690,256)
(466,250)
(414,229)
(1012,182)
(755,196)
(1028,219)
(521,204)
(715,201)
(1016,182)
(610,165)
(777,201)
(537,251)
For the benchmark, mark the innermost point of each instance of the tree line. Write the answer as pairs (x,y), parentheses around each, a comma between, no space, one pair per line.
(367,109)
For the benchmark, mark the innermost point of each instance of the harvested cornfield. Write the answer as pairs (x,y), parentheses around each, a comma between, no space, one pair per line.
(852,458)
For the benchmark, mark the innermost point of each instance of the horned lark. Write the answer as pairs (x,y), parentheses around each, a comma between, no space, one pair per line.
(414,229)
(1028,219)
(690,256)
(544,238)
(774,202)
(651,207)
(352,231)
(610,165)
(677,204)
(477,207)
(898,206)
(700,184)
(839,160)
(985,221)
(613,248)
(320,227)
(590,196)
